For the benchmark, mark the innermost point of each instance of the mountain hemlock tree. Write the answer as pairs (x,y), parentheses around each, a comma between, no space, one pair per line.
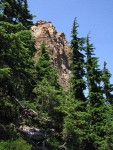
(107,86)
(98,110)
(24,15)
(77,81)
(16,66)
(75,121)
(108,95)
(15,11)
(48,96)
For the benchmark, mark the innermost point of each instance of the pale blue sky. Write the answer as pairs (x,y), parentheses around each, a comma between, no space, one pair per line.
(95,16)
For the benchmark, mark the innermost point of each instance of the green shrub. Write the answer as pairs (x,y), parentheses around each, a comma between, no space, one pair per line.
(18,144)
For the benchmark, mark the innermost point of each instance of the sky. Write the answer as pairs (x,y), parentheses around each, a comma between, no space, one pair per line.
(94,16)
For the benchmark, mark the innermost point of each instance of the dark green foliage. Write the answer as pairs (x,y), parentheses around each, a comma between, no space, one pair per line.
(24,15)
(15,145)
(93,73)
(78,83)
(16,59)
(75,121)
(48,96)
(107,87)
(44,69)
(99,111)
(16,67)
(15,11)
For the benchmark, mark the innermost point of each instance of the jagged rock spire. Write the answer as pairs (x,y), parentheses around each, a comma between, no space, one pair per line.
(57,46)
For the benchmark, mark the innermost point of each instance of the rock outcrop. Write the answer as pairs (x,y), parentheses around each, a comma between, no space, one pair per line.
(56,45)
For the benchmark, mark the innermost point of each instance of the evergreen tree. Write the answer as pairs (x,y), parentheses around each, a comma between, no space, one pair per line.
(107,87)
(108,96)
(78,83)
(16,57)
(16,66)
(24,15)
(48,96)
(75,121)
(98,110)
(8,11)
(44,69)
(75,124)
(15,11)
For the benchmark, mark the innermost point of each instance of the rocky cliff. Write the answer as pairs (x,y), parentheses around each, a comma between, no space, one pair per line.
(56,45)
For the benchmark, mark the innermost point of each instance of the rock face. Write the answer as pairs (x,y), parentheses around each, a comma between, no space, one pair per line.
(56,45)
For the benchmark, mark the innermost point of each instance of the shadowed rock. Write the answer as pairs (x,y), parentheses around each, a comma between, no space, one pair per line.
(35,136)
